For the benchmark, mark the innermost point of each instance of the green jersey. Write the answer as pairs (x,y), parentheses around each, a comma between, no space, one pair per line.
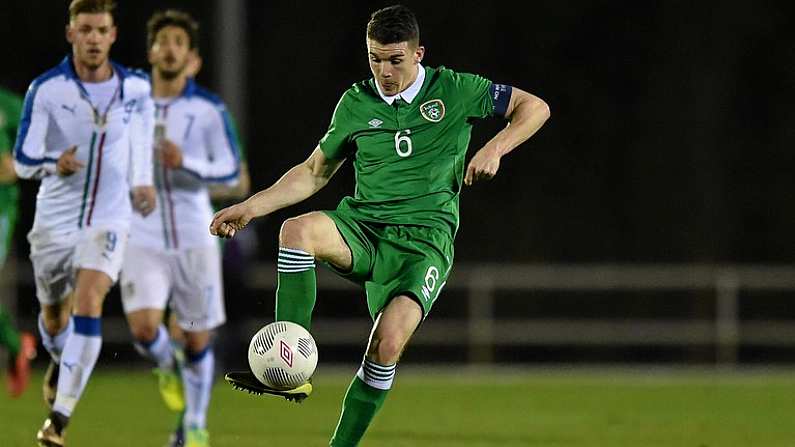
(10,112)
(408,157)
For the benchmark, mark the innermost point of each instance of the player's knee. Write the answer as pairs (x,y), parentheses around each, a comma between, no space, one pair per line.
(55,322)
(92,293)
(144,333)
(296,233)
(385,349)
(88,302)
(196,342)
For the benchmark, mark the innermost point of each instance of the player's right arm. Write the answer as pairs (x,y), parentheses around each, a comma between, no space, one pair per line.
(29,152)
(298,184)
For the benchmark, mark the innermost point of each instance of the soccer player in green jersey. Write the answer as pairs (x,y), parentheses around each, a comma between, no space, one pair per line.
(407,130)
(21,347)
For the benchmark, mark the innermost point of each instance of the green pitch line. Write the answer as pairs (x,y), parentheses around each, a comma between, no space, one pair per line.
(445,410)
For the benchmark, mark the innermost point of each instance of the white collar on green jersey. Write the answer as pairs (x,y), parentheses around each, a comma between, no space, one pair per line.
(410,93)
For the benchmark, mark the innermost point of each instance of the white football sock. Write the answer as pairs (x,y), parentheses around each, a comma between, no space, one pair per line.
(197,380)
(158,350)
(77,362)
(54,343)
(377,376)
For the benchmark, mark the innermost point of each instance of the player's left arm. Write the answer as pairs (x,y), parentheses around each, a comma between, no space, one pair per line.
(221,165)
(526,114)
(224,192)
(142,129)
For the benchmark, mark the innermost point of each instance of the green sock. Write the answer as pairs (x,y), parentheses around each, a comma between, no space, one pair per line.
(295,294)
(361,404)
(9,337)
(364,398)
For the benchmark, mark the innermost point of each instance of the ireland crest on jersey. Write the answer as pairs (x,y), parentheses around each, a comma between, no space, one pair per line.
(433,110)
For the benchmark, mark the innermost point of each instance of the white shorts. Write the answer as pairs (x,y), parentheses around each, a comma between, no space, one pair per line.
(56,258)
(190,277)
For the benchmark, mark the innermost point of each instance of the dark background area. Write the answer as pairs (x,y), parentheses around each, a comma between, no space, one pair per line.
(671,137)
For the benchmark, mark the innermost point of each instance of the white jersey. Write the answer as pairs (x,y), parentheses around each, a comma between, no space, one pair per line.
(110,123)
(198,123)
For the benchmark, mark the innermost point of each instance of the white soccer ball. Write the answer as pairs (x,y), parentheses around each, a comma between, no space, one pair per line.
(282,355)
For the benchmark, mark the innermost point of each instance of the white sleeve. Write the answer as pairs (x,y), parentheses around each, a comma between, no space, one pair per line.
(29,152)
(142,130)
(221,164)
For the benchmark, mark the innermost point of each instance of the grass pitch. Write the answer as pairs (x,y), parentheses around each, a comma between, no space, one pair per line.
(535,408)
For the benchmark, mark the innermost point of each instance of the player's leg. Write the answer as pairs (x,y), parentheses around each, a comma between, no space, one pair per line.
(145,287)
(329,237)
(411,264)
(150,336)
(98,257)
(21,348)
(51,257)
(9,337)
(82,348)
(197,376)
(197,301)
(302,240)
(55,326)
(79,354)
(368,390)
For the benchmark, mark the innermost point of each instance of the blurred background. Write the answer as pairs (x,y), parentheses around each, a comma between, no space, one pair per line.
(648,222)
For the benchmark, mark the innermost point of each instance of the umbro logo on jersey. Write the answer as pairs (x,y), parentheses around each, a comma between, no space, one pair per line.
(375,123)
(433,110)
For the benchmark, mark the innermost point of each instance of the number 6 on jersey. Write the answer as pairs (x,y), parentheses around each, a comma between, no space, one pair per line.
(404,139)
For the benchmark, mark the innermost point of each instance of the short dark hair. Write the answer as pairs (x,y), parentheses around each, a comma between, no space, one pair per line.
(90,7)
(172,17)
(393,24)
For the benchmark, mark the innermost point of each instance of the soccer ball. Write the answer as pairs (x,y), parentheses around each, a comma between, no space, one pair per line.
(282,355)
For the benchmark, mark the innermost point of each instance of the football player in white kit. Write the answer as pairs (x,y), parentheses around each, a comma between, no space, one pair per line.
(170,255)
(85,131)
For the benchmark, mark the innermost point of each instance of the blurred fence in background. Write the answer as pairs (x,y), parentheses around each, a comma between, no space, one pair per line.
(528,313)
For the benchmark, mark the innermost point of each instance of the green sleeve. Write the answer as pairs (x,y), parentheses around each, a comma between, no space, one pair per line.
(9,119)
(475,91)
(5,142)
(336,144)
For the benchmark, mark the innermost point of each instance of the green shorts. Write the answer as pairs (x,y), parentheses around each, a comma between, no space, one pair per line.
(392,260)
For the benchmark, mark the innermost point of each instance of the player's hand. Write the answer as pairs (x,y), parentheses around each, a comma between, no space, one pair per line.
(143,199)
(67,163)
(483,166)
(170,154)
(227,222)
